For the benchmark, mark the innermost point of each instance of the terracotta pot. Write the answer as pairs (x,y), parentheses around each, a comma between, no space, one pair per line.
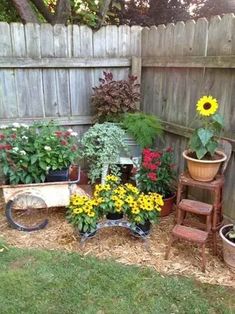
(167,208)
(203,170)
(228,247)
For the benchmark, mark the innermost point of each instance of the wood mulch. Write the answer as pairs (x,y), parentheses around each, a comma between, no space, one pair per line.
(118,244)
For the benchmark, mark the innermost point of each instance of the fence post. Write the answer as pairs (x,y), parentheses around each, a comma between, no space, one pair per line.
(136,68)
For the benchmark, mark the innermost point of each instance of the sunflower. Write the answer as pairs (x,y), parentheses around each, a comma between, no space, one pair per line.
(207,106)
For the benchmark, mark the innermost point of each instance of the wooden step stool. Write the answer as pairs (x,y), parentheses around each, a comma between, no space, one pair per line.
(192,235)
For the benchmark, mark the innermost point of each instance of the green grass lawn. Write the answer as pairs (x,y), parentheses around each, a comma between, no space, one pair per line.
(34,281)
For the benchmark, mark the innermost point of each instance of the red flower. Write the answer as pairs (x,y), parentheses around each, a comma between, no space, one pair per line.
(13,135)
(67,133)
(74,148)
(58,133)
(63,142)
(169,149)
(5,146)
(152,176)
(2,136)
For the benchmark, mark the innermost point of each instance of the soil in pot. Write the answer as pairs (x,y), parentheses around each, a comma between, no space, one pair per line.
(167,208)
(114,216)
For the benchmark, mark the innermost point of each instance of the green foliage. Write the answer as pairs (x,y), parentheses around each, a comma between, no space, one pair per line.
(145,128)
(82,213)
(7,12)
(56,282)
(204,141)
(27,153)
(113,98)
(102,144)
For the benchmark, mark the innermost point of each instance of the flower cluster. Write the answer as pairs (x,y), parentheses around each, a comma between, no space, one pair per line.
(113,197)
(204,140)
(27,153)
(156,172)
(82,213)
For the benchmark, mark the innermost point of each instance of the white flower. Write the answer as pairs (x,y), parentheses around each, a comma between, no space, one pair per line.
(48,148)
(24,137)
(70,130)
(22,152)
(13,129)
(15,149)
(16,125)
(23,125)
(3,127)
(73,133)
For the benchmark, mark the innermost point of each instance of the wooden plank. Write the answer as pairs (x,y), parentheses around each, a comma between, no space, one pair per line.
(190,62)
(34,106)
(48,75)
(81,79)
(11,62)
(62,76)
(8,99)
(66,120)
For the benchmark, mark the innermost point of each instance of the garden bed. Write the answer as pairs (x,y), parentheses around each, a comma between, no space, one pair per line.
(119,245)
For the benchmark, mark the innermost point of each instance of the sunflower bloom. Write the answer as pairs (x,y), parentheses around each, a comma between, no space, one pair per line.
(207,106)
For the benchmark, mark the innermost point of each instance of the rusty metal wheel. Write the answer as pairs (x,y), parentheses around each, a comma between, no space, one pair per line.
(27,212)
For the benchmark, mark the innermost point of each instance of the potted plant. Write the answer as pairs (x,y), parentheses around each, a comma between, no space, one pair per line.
(141,209)
(203,158)
(101,145)
(144,128)
(157,174)
(227,234)
(29,153)
(112,98)
(82,214)
(106,198)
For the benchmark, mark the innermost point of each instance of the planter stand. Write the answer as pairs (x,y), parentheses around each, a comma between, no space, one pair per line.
(117,223)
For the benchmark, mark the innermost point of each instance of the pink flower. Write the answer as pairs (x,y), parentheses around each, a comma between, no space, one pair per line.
(63,142)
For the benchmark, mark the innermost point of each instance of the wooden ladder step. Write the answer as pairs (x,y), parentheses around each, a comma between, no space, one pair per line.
(190,234)
(195,207)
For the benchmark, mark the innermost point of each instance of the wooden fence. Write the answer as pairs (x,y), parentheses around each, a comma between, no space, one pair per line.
(48,72)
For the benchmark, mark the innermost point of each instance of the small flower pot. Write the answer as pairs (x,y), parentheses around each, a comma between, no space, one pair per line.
(167,208)
(57,175)
(228,247)
(114,216)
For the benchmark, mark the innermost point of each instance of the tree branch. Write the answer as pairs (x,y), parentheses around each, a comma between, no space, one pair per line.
(63,11)
(25,11)
(43,9)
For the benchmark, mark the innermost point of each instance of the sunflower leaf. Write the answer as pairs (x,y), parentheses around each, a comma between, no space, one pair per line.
(211,147)
(219,119)
(205,135)
(201,152)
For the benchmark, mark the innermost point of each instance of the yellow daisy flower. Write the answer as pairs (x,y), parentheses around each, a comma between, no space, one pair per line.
(207,106)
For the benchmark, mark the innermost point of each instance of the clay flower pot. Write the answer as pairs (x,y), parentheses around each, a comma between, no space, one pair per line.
(166,209)
(204,170)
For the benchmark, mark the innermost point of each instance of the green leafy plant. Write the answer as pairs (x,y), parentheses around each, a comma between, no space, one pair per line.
(82,213)
(145,128)
(27,153)
(205,139)
(156,172)
(101,145)
(113,98)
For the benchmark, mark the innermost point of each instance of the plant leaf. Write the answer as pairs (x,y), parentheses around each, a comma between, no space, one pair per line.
(201,152)
(205,135)
(219,119)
